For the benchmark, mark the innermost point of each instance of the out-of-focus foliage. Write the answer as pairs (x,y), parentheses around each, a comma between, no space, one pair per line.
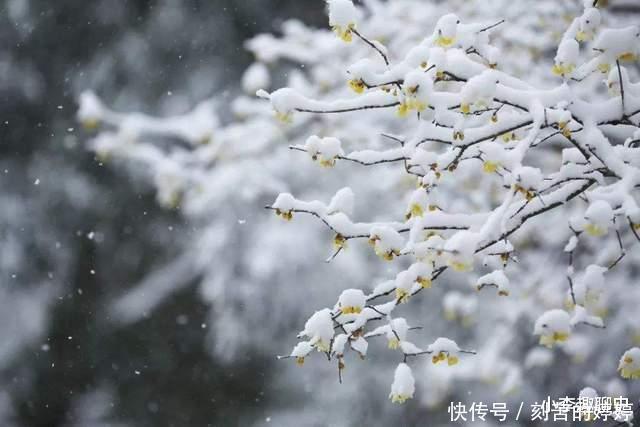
(75,235)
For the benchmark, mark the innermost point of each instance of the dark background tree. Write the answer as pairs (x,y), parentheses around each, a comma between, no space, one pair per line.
(73,232)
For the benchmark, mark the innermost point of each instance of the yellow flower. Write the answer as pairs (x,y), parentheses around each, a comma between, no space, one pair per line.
(402,295)
(564,128)
(556,337)
(458,134)
(442,356)
(393,344)
(629,368)
(339,241)
(415,210)
(628,57)
(299,361)
(322,346)
(465,108)
(403,110)
(90,124)
(351,310)
(399,398)
(286,118)
(438,358)
(582,36)
(286,215)
(387,256)
(595,230)
(424,282)
(563,69)
(628,374)
(414,104)
(460,266)
(357,85)
(490,167)
(509,136)
(328,163)
(604,68)
(445,41)
(529,195)
(345,34)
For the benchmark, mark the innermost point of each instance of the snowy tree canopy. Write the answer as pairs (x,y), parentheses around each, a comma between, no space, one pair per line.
(491,163)
(529,148)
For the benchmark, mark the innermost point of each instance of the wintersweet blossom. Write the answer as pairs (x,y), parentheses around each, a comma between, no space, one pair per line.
(418,204)
(91,110)
(324,150)
(629,366)
(386,241)
(553,327)
(342,18)
(444,349)
(284,205)
(566,58)
(446,31)
(478,92)
(395,331)
(619,43)
(352,301)
(599,217)
(496,278)
(319,330)
(300,351)
(403,386)
(460,249)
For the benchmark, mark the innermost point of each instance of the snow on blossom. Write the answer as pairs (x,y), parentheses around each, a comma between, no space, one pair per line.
(629,366)
(403,386)
(319,330)
(444,349)
(351,301)
(554,326)
(343,17)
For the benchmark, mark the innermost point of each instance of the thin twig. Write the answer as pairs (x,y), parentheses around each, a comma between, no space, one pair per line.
(373,45)
(490,27)
(621,87)
(348,110)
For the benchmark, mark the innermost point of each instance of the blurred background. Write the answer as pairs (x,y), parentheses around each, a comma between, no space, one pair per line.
(75,234)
